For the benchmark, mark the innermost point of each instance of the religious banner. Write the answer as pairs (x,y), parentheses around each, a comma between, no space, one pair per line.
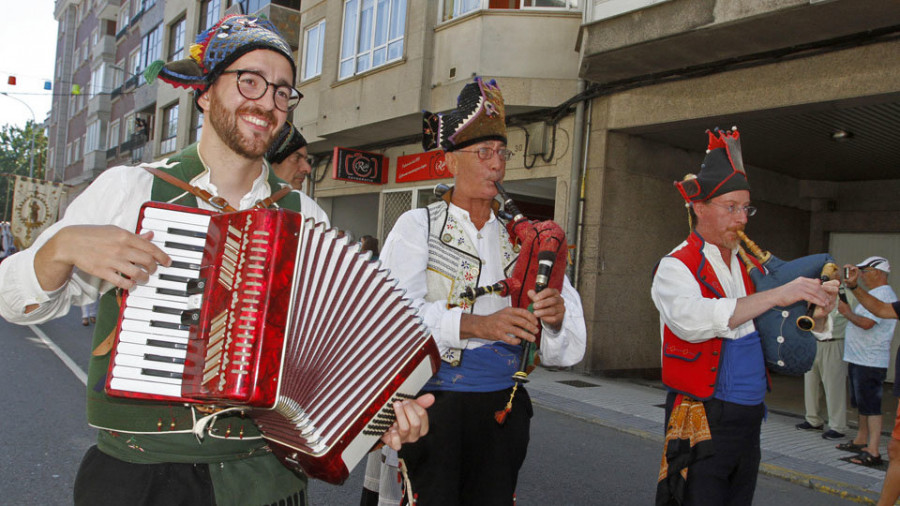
(422,167)
(359,166)
(35,207)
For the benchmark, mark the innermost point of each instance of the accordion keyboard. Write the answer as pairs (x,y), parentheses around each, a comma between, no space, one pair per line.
(153,339)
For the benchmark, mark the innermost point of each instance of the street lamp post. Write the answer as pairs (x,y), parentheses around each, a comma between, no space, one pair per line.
(33,125)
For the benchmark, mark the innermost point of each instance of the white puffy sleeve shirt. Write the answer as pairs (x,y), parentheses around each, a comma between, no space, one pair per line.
(405,253)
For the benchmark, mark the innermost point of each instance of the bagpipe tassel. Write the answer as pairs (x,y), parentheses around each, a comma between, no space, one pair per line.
(500,415)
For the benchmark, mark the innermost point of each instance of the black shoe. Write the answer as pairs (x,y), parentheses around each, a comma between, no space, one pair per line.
(832,435)
(808,426)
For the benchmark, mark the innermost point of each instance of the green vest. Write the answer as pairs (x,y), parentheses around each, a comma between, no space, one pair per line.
(141,431)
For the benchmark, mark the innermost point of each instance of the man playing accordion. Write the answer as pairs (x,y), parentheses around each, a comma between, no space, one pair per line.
(712,356)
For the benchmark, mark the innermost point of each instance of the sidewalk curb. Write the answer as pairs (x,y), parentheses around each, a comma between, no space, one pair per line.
(832,487)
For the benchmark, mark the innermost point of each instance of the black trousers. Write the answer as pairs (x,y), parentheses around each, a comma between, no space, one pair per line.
(729,476)
(467,458)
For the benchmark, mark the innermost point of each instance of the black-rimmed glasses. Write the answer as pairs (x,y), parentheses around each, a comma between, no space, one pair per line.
(253,86)
(486,153)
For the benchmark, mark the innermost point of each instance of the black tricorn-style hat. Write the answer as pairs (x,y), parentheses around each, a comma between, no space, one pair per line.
(722,170)
(479,116)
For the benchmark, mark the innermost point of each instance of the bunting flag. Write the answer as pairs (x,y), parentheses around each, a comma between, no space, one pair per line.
(35,207)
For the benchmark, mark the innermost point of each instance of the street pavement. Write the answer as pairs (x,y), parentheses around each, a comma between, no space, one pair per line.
(636,407)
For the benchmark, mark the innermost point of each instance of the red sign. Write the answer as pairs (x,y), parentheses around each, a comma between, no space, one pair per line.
(422,167)
(359,166)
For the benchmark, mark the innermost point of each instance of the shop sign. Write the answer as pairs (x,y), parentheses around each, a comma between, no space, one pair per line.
(422,167)
(359,166)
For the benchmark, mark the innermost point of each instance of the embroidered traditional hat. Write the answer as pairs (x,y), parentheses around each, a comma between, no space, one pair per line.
(217,48)
(288,140)
(722,170)
(479,116)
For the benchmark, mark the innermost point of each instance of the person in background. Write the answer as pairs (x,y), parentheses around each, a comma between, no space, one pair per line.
(890,489)
(867,351)
(289,157)
(370,243)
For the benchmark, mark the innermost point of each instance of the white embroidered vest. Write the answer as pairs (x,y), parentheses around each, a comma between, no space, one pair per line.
(454,264)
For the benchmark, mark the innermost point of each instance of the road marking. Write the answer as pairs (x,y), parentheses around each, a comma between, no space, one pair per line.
(61,354)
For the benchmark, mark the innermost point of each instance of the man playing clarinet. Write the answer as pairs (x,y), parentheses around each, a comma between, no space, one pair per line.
(468,458)
(147,452)
(712,358)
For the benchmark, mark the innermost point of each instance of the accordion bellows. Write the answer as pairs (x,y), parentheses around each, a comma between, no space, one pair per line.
(265,309)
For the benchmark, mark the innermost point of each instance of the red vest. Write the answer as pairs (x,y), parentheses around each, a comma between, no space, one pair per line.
(692,368)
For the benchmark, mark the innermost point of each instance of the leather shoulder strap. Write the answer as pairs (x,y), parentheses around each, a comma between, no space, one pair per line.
(215,201)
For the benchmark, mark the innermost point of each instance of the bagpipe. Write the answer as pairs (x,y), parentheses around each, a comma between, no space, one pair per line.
(541,264)
(786,332)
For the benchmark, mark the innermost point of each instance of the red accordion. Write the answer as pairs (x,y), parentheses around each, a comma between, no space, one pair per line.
(264,309)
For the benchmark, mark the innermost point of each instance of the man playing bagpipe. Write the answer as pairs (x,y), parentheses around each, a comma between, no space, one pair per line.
(242,72)
(712,356)
(437,252)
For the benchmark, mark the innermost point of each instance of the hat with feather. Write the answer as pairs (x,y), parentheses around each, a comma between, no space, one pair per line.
(722,170)
(215,49)
(479,116)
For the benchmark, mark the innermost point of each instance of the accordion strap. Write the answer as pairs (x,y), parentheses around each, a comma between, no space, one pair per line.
(217,202)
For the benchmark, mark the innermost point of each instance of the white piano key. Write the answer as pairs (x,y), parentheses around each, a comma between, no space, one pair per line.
(136,373)
(150,293)
(139,350)
(163,237)
(128,336)
(176,216)
(145,387)
(147,315)
(191,256)
(136,361)
(155,282)
(146,328)
(160,225)
(175,271)
(149,304)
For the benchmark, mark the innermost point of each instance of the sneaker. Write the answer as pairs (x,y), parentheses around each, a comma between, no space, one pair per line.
(808,426)
(832,435)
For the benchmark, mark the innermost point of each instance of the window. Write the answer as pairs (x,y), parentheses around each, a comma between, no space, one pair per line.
(176,40)
(92,140)
(252,6)
(313,44)
(372,34)
(113,140)
(196,125)
(122,19)
(97,80)
(169,129)
(95,36)
(209,13)
(150,50)
(119,74)
(456,8)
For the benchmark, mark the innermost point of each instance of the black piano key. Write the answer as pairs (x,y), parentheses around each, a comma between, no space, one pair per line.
(172,277)
(172,291)
(166,344)
(169,325)
(185,265)
(196,286)
(185,247)
(167,310)
(161,358)
(161,374)
(186,233)
(190,317)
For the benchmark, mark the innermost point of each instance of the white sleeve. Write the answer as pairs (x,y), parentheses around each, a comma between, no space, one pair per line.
(311,209)
(566,347)
(405,253)
(683,308)
(114,198)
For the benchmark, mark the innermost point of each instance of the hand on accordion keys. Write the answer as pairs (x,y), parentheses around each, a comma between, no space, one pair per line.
(411,423)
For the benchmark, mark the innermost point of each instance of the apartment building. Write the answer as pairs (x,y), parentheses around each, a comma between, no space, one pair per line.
(814,87)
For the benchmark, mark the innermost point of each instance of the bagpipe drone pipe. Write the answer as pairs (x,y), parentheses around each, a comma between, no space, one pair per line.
(541,264)
(786,332)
